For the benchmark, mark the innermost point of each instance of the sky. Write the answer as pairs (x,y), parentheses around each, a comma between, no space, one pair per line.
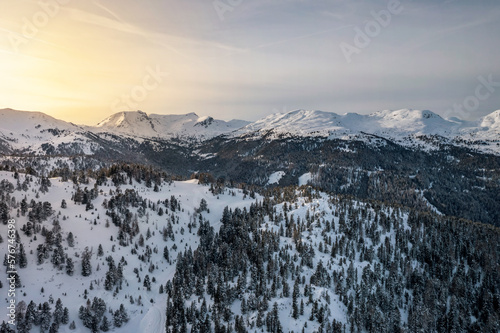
(83,60)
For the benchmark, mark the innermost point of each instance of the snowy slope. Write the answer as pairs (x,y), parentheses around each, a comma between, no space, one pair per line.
(138,123)
(336,252)
(147,313)
(486,128)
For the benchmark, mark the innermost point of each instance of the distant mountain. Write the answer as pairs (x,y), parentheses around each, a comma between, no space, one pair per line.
(140,124)
(37,133)
(405,126)
(491,121)
(29,132)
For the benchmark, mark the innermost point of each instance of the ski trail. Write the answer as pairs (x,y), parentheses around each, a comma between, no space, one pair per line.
(153,321)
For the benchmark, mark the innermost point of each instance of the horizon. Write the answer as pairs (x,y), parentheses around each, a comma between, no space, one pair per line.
(78,61)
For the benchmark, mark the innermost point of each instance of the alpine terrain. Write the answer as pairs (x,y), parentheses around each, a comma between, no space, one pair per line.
(303,221)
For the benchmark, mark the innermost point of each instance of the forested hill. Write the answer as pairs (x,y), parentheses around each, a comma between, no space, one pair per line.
(128,248)
(302,261)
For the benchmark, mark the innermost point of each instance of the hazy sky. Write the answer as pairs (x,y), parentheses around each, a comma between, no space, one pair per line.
(84,60)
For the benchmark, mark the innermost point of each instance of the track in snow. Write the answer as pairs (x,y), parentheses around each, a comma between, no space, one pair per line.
(153,321)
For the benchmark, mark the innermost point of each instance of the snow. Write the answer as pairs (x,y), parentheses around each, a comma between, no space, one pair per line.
(275,177)
(305,178)
(153,321)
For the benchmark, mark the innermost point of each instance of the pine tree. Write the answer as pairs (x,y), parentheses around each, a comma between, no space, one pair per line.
(105,324)
(54,328)
(86,264)
(70,239)
(23,260)
(58,312)
(45,317)
(57,256)
(109,281)
(165,253)
(31,315)
(70,267)
(65,317)
(120,316)
(295,296)
(100,251)
(286,289)
(147,283)
(98,307)
(203,205)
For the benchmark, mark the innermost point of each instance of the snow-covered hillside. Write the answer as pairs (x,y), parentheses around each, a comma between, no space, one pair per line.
(132,255)
(43,281)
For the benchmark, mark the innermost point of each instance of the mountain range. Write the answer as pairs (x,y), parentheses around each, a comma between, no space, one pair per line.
(20,130)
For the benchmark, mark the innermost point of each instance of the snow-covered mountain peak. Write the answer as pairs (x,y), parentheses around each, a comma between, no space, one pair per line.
(297,121)
(204,121)
(306,122)
(138,123)
(28,121)
(29,131)
(404,125)
(412,122)
(491,121)
(124,118)
(404,114)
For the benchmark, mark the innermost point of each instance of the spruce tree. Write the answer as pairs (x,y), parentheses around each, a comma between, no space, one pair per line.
(86,264)
(70,267)
(23,260)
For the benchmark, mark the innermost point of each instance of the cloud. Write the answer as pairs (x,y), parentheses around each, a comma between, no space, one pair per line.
(162,39)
